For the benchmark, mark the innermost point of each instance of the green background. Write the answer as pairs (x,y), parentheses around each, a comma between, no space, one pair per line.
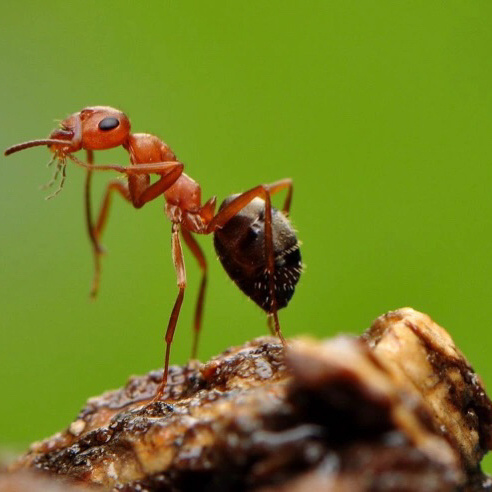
(379,111)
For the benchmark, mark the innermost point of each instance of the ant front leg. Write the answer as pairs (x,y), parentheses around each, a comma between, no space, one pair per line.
(202,262)
(161,168)
(234,207)
(179,265)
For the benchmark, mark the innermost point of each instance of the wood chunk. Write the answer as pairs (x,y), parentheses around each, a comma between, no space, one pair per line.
(30,482)
(398,409)
(423,357)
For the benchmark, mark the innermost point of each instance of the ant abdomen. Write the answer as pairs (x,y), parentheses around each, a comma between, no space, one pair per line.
(240,245)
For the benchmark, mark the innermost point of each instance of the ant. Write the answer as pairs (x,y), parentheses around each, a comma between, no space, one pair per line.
(255,242)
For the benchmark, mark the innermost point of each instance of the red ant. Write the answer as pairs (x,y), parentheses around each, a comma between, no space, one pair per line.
(255,242)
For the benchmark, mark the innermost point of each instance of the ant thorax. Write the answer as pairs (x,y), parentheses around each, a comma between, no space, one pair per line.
(185,193)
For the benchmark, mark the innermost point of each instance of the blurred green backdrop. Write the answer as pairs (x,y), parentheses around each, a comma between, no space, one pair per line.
(379,111)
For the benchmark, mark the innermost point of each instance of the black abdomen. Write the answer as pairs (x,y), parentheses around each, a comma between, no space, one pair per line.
(240,245)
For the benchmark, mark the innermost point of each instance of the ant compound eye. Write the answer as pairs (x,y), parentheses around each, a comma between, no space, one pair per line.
(108,123)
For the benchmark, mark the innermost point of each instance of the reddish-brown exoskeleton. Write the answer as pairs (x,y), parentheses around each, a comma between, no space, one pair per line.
(254,241)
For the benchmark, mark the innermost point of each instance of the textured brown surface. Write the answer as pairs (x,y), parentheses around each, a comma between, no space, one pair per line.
(31,482)
(422,357)
(398,409)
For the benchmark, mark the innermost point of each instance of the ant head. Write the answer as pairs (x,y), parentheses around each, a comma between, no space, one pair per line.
(93,128)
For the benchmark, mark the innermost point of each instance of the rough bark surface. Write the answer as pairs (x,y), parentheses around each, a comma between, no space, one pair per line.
(397,409)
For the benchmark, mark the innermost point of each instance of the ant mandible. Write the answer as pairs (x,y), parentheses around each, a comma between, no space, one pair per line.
(255,242)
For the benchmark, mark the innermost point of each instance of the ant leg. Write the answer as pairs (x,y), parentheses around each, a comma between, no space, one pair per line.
(270,324)
(90,226)
(147,195)
(95,231)
(181,277)
(282,185)
(122,189)
(162,168)
(202,262)
(159,187)
(224,215)
(169,172)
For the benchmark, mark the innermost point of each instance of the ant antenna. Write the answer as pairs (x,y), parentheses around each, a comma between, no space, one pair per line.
(35,143)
